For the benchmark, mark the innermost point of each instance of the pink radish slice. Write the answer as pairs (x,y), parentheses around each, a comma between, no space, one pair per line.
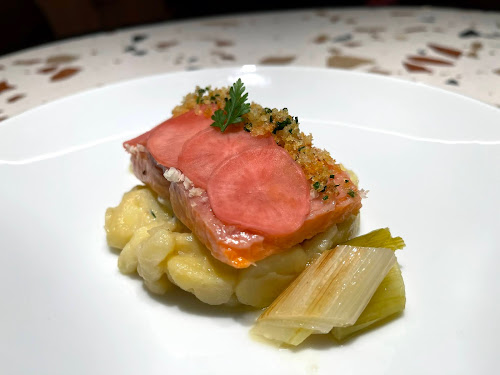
(262,190)
(139,140)
(206,150)
(166,141)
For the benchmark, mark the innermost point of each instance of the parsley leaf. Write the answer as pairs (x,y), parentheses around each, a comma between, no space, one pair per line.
(233,110)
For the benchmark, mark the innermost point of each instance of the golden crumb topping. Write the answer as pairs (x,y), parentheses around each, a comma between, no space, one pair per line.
(318,166)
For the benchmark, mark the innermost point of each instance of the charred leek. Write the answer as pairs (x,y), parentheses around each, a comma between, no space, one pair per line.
(378,238)
(389,299)
(331,292)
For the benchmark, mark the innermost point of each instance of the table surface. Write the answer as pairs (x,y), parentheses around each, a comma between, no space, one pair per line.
(457,50)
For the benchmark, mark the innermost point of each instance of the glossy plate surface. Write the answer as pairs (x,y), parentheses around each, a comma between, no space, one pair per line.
(429,158)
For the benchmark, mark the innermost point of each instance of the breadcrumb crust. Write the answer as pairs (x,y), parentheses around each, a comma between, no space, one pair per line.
(317,164)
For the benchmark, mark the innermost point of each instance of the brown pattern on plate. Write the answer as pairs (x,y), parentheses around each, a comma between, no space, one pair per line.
(353,44)
(4,86)
(346,62)
(223,43)
(378,70)
(27,62)
(224,55)
(61,59)
(2,118)
(320,39)
(415,29)
(335,51)
(370,29)
(475,47)
(1,67)
(497,71)
(413,68)
(163,45)
(47,69)
(449,51)
(15,98)
(277,60)
(64,74)
(429,60)
(335,18)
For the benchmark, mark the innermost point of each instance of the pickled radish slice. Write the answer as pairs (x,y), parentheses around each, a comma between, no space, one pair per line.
(166,141)
(139,140)
(206,150)
(261,190)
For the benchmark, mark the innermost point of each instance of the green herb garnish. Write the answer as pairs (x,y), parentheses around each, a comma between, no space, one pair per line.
(200,95)
(235,107)
(152,213)
(316,185)
(300,148)
(325,197)
(351,193)
(247,127)
(280,125)
(332,176)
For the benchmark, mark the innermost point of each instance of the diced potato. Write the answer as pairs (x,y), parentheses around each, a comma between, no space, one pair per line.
(259,285)
(160,286)
(127,261)
(153,251)
(163,251)
(139,207)
(195,270)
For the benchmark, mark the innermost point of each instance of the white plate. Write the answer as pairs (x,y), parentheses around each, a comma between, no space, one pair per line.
(429,158)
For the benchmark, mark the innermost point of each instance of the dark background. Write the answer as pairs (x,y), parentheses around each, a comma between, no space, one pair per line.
(26,23)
